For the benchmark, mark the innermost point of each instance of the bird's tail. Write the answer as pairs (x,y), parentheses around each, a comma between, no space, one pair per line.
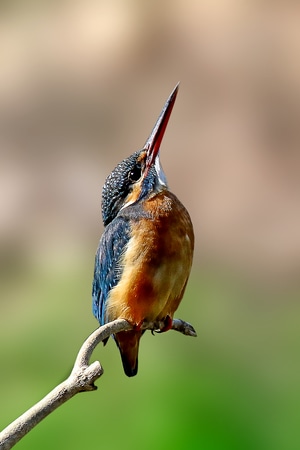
(128,343)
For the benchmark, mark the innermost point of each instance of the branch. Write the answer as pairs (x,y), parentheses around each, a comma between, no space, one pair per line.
(81,379)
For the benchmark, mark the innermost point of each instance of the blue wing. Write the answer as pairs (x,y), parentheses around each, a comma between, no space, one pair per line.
(107,271)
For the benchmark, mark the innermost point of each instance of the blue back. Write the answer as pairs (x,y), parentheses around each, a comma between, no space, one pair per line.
(108,270)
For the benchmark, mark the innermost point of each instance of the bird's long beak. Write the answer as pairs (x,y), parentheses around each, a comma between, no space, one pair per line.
(153,142)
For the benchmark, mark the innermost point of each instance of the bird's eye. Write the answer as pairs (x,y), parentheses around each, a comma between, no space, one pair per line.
(135,174)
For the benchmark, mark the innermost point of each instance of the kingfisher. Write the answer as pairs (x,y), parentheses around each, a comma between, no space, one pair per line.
(145,254)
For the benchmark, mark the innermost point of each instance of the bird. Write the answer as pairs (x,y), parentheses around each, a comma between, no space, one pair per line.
(145,253)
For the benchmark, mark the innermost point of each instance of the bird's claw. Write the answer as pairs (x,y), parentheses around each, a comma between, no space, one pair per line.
(167,324)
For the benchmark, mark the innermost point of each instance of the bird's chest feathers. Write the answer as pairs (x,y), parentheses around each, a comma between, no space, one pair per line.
(155,264)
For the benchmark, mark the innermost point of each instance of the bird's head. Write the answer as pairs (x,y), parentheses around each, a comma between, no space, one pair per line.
(141,174)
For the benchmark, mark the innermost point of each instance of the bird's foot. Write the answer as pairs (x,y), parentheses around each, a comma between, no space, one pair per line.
(168,322)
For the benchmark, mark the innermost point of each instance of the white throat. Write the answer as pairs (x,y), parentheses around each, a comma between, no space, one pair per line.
(160,173)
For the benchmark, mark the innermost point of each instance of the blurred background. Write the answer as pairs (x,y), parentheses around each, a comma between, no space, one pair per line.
(81,85)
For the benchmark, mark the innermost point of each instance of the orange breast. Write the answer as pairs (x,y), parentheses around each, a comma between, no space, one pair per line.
(156,264)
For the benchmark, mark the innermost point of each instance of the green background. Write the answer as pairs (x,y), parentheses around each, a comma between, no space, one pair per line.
(235,386)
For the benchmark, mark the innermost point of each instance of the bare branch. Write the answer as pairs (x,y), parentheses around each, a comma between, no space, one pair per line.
(97,336)
(82,378)
(184,327)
